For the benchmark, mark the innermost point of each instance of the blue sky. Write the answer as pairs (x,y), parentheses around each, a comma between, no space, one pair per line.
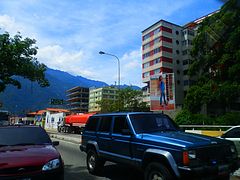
(70,33)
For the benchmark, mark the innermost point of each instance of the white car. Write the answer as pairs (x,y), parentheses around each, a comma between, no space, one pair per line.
(233,134)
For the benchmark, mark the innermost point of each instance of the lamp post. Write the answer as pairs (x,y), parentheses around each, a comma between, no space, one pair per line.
(101,52)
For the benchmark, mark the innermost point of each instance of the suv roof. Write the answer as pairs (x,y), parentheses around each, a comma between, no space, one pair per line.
(126,113)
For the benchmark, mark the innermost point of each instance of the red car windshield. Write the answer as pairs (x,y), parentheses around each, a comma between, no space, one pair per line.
(10,136)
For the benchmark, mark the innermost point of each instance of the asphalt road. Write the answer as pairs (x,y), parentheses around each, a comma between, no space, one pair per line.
(76,169)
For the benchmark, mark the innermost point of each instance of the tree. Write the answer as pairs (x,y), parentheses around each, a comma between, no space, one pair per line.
(128,100)
(17,59)
(216,64)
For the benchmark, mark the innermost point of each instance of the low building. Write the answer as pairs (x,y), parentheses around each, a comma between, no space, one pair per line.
(97,94)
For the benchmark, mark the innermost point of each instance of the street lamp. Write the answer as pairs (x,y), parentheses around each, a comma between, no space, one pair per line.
(101,52)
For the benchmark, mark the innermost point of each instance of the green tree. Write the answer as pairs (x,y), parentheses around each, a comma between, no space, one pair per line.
(17,59)
(216,64)
(131,100)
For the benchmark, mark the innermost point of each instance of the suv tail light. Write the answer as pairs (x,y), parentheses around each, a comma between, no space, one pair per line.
(185,158)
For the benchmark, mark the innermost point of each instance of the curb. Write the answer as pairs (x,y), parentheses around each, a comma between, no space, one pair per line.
(66,138)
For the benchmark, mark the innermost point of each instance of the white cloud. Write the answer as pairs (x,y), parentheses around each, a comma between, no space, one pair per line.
(57,58)
(9,24)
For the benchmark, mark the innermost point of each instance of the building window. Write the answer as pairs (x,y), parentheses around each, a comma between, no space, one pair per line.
(146,36)
(146,74)
(145,65)
(156,31)
(178,61)
(185,61)
(190,32)
(177,51)
(185,72)
(177,32)
(155,61)
(185,83)
(178,72)
(178,82)
(157,50)
(157,71)
(177,42)
(185,52)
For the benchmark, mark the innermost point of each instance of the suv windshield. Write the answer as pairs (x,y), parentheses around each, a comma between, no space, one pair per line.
(145,123)
(10,136)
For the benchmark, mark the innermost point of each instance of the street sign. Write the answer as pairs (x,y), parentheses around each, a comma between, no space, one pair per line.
(56,101)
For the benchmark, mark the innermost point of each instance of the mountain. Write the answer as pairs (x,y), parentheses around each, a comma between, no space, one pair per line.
(32,97)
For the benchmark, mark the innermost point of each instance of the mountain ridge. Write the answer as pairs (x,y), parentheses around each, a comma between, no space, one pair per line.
(32,97)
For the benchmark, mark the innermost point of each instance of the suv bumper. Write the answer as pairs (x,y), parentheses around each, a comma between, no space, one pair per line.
(209,171)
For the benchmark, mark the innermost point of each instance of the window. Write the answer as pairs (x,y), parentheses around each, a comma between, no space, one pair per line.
(178,72)
(178,82)
(177,51)
(185,61)
(178,61)
(155,51)
(177,32)
(185,52)
(185,82)
(146,55)
(146,36)
(144,123)
(234,133)
(185,72)
(146,74)
(157,40)
(92,124)
(156,71)
(155,61)
(177,42)
(190,32)
(120,123)
(145,65)
(184,43)
(156,31)
(105,124)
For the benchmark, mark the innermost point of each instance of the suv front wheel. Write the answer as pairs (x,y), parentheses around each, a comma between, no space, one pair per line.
(94,163)
(155,171)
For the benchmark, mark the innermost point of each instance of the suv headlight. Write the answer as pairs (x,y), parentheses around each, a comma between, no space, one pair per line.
(53,164)
(192,154)
(232,148)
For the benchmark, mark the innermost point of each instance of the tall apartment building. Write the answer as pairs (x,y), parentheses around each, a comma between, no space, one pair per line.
(98,94)
(166,49)
(162,53)
(77,98)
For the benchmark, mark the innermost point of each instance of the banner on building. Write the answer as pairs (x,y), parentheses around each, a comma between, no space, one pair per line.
(162,92)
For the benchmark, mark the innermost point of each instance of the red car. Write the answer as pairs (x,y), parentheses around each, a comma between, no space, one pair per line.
(27,153)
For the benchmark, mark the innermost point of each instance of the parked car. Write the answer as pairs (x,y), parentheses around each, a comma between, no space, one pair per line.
(154,143)
(233,134)
(27,153)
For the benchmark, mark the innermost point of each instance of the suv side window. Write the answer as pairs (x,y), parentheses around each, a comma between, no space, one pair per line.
(120,122)
(92,124)
(105,124)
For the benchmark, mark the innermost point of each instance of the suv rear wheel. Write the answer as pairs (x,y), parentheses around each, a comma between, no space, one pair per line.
(94,163)
(157,171)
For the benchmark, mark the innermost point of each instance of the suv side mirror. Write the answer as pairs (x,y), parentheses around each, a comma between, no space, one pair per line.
(126,132)
(55,143)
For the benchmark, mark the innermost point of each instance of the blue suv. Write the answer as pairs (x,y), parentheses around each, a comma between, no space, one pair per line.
(154,143)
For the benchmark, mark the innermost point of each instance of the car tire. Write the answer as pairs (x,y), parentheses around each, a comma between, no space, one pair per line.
(157,171)
(94,162)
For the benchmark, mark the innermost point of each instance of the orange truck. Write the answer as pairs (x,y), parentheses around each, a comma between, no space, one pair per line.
(74,123)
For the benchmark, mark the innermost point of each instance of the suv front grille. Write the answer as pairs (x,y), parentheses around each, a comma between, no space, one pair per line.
(214,154)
